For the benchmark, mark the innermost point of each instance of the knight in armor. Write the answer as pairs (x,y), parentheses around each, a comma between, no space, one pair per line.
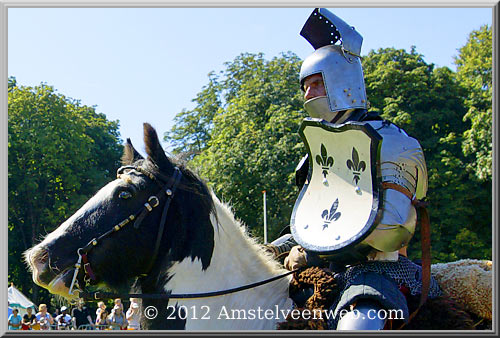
(375,273)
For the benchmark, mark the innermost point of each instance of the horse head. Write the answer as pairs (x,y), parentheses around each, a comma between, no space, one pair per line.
(117,230)
(158,230)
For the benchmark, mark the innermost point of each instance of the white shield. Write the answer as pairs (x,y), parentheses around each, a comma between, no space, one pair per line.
(339,205)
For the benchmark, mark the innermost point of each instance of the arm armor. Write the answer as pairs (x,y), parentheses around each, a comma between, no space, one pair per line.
(402,162)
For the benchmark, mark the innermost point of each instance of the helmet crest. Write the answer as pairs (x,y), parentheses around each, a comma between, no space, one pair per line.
(324,28)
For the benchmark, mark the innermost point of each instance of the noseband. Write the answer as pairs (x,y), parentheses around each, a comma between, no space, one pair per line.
(168,188)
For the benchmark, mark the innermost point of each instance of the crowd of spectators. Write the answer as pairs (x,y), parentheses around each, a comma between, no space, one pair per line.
(80,317)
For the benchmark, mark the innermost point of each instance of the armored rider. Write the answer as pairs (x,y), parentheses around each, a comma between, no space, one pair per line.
(375,273)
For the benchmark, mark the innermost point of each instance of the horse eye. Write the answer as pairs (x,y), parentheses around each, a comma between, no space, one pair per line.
(124,195)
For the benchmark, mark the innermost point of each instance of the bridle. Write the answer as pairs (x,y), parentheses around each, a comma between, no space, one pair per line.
(168,188)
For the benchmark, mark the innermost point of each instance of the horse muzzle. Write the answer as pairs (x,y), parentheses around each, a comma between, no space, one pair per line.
(38,259)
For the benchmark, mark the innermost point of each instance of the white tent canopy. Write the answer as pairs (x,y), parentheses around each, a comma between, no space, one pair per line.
(18,300)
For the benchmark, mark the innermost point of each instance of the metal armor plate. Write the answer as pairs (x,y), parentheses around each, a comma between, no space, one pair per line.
(340,205)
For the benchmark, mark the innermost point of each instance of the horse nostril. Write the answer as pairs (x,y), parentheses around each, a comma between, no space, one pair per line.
(39,258)
(40,262)
(43,258)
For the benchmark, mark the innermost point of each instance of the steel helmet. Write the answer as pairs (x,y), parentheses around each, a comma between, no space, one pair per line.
(339,65)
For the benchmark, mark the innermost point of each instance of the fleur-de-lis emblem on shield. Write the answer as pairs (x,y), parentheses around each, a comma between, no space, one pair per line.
(324,160)
(331,215)
(355,165)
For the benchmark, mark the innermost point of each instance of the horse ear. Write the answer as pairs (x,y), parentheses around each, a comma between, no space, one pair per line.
(154,149)
(130,155)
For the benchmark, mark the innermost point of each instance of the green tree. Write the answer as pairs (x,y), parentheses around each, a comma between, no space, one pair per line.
(470,173)
(60,153)
(474,72)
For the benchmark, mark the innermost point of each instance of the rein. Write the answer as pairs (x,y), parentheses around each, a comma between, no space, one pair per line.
(106,295)
(166,192)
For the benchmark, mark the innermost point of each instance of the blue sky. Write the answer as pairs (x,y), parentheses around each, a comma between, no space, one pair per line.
(147,64)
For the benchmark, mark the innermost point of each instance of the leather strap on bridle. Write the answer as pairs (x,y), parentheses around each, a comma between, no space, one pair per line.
(106,295)
(425,239)
(169,192)
(87,268)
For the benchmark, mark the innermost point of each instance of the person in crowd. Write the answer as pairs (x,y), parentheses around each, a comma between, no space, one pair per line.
(29,319)
(14,320)
(44,318)
(133,314)
(63,320)
(102,321)
(56,313)
(100,307)
(118,302)
(80,315)
(117,319)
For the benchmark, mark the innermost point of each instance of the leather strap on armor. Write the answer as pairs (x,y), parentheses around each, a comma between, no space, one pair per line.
(425,241)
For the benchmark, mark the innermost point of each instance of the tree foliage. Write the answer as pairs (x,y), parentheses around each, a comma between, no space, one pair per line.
(60,153)
(474,71)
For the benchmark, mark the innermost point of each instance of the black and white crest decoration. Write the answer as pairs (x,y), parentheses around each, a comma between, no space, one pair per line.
(339,205)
